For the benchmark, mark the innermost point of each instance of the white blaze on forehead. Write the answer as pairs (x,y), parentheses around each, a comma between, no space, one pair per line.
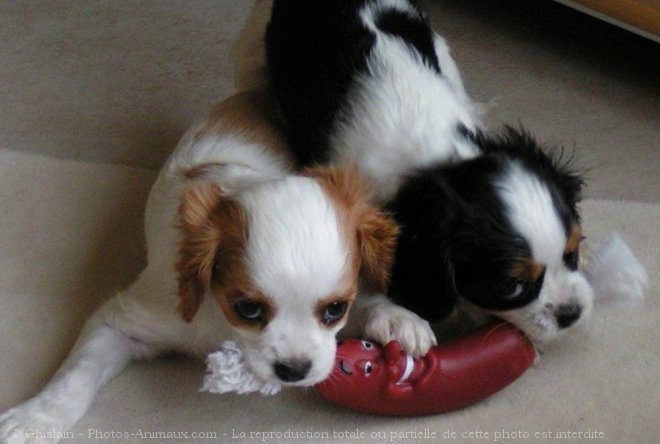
(296,248)
(532,213)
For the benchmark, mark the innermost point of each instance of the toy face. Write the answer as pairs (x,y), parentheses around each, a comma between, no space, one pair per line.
(359,359)
(383,380)
(359,374)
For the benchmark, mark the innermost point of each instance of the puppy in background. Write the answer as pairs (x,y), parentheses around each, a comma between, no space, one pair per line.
(238,246)
(489,222)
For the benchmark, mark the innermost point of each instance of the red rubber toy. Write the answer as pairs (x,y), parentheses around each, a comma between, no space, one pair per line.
(384,381)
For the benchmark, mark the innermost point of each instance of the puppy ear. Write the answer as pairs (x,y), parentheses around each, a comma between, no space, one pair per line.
(377,235)
(376,232)
(200,237)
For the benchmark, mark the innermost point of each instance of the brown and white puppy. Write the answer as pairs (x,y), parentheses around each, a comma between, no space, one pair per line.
(238,246)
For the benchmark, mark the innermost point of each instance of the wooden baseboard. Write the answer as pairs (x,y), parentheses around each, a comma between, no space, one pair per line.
(642,16)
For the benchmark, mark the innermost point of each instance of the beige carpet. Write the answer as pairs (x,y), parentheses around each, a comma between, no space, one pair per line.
(120,81)
(71,234)
(108,87)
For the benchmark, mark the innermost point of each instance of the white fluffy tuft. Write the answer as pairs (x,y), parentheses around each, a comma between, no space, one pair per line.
(228,372)
(614,272)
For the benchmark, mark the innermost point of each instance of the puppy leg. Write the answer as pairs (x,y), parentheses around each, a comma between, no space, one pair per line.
(377,318)
(101,352)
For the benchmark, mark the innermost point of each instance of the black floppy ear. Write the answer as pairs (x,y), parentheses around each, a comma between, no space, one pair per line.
(422,277)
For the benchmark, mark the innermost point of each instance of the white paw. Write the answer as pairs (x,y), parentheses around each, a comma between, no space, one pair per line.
(32,422)
(388,322)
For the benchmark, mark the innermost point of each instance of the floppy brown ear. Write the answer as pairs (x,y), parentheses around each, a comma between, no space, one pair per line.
(199,241)
(376,231)
(377,235)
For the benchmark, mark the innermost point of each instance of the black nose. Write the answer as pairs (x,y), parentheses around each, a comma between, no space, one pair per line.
(567,315)
(292,371)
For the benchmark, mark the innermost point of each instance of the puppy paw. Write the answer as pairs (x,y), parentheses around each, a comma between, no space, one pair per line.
(388,322)
(32,423)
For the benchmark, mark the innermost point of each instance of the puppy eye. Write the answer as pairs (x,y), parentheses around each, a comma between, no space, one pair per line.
(367,345)
(334,311)
(517,290)
(571,260)
(249,309)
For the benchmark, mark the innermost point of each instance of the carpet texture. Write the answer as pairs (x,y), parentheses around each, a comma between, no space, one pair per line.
(70,236)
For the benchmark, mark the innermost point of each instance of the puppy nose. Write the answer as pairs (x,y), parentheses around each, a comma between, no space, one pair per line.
(292,371)
(567,315)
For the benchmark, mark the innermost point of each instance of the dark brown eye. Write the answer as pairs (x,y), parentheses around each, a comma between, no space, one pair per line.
(571,260)
(517,289)
(515,293)
(249,309)
(334,311)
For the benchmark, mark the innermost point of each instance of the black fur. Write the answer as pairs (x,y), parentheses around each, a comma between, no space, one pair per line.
(314,50)
(414,31)
(555,170)
(456,240)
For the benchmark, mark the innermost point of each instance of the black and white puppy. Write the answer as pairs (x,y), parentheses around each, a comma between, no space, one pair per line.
(487,220)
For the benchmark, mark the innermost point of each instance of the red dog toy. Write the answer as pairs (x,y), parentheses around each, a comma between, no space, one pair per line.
(373,379)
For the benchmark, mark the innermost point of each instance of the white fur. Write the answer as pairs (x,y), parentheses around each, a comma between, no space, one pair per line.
(385,322)
(383,165)
(531,211)
(401,115)
(285,220)
(297,255)
(391,129)
(373,9)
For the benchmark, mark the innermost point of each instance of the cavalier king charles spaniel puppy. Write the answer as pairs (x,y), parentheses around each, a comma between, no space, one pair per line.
(238,246)
(488,222)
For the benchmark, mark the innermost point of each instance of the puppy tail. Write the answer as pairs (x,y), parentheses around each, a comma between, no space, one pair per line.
(248,55)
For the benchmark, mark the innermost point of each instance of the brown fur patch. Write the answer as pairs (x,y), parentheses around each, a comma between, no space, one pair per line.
(249,114)
(211,224)
(371,233)
(348,297)
(574,239)
(527,270)
(228,295)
